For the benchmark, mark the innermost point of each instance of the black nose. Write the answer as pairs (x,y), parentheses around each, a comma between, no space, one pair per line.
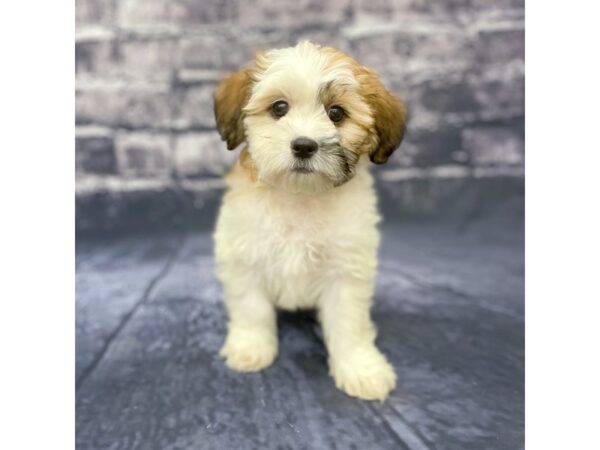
(304,147)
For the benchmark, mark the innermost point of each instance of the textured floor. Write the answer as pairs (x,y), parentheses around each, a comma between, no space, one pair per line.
(448,306)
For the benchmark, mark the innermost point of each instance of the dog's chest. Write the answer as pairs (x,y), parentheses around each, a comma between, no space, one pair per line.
(297,247)
(296,239)
(293,250)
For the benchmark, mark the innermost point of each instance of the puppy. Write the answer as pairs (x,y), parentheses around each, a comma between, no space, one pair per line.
(297,227)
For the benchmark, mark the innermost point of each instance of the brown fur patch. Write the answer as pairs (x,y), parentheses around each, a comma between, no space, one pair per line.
(248,165)
(388,111)
(243,170)
(230,96)
(332,93)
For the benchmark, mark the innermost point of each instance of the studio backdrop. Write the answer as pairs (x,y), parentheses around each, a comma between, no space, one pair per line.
(146,144)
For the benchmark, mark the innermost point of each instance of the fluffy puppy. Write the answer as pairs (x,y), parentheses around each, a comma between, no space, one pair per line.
(297,227)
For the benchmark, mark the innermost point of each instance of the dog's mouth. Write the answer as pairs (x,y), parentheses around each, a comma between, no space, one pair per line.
(302,167)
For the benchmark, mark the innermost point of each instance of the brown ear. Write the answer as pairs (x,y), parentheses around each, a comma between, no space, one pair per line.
(230,96)
(389,115)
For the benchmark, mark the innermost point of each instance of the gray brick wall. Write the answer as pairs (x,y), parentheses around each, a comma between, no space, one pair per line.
(145,71)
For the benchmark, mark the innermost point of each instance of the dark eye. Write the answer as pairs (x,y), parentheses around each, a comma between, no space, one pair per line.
(336,113)
(279,108)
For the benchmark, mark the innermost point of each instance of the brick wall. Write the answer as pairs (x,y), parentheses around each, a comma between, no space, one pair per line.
(145,71)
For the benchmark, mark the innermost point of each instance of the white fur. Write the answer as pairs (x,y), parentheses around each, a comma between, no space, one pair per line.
(291,241)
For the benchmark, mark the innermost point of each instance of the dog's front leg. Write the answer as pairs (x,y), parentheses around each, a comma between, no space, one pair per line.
(251,343)
(355,363)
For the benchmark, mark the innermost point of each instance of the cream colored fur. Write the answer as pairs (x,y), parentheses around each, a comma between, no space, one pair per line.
(294,240)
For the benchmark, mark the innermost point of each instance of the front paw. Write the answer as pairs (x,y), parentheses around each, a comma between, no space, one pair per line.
(363,373)
(249,349)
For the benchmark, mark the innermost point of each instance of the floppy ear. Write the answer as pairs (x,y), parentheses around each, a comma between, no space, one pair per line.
(230,96)
(389,116)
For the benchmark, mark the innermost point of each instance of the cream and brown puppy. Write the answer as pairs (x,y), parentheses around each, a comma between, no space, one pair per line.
(297,227)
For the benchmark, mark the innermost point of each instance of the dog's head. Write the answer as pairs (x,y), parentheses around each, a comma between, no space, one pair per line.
(308,114)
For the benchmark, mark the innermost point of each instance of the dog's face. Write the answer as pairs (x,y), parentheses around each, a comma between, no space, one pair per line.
(308,114)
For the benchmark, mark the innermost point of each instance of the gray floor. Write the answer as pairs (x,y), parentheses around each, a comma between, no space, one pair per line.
(449,308)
